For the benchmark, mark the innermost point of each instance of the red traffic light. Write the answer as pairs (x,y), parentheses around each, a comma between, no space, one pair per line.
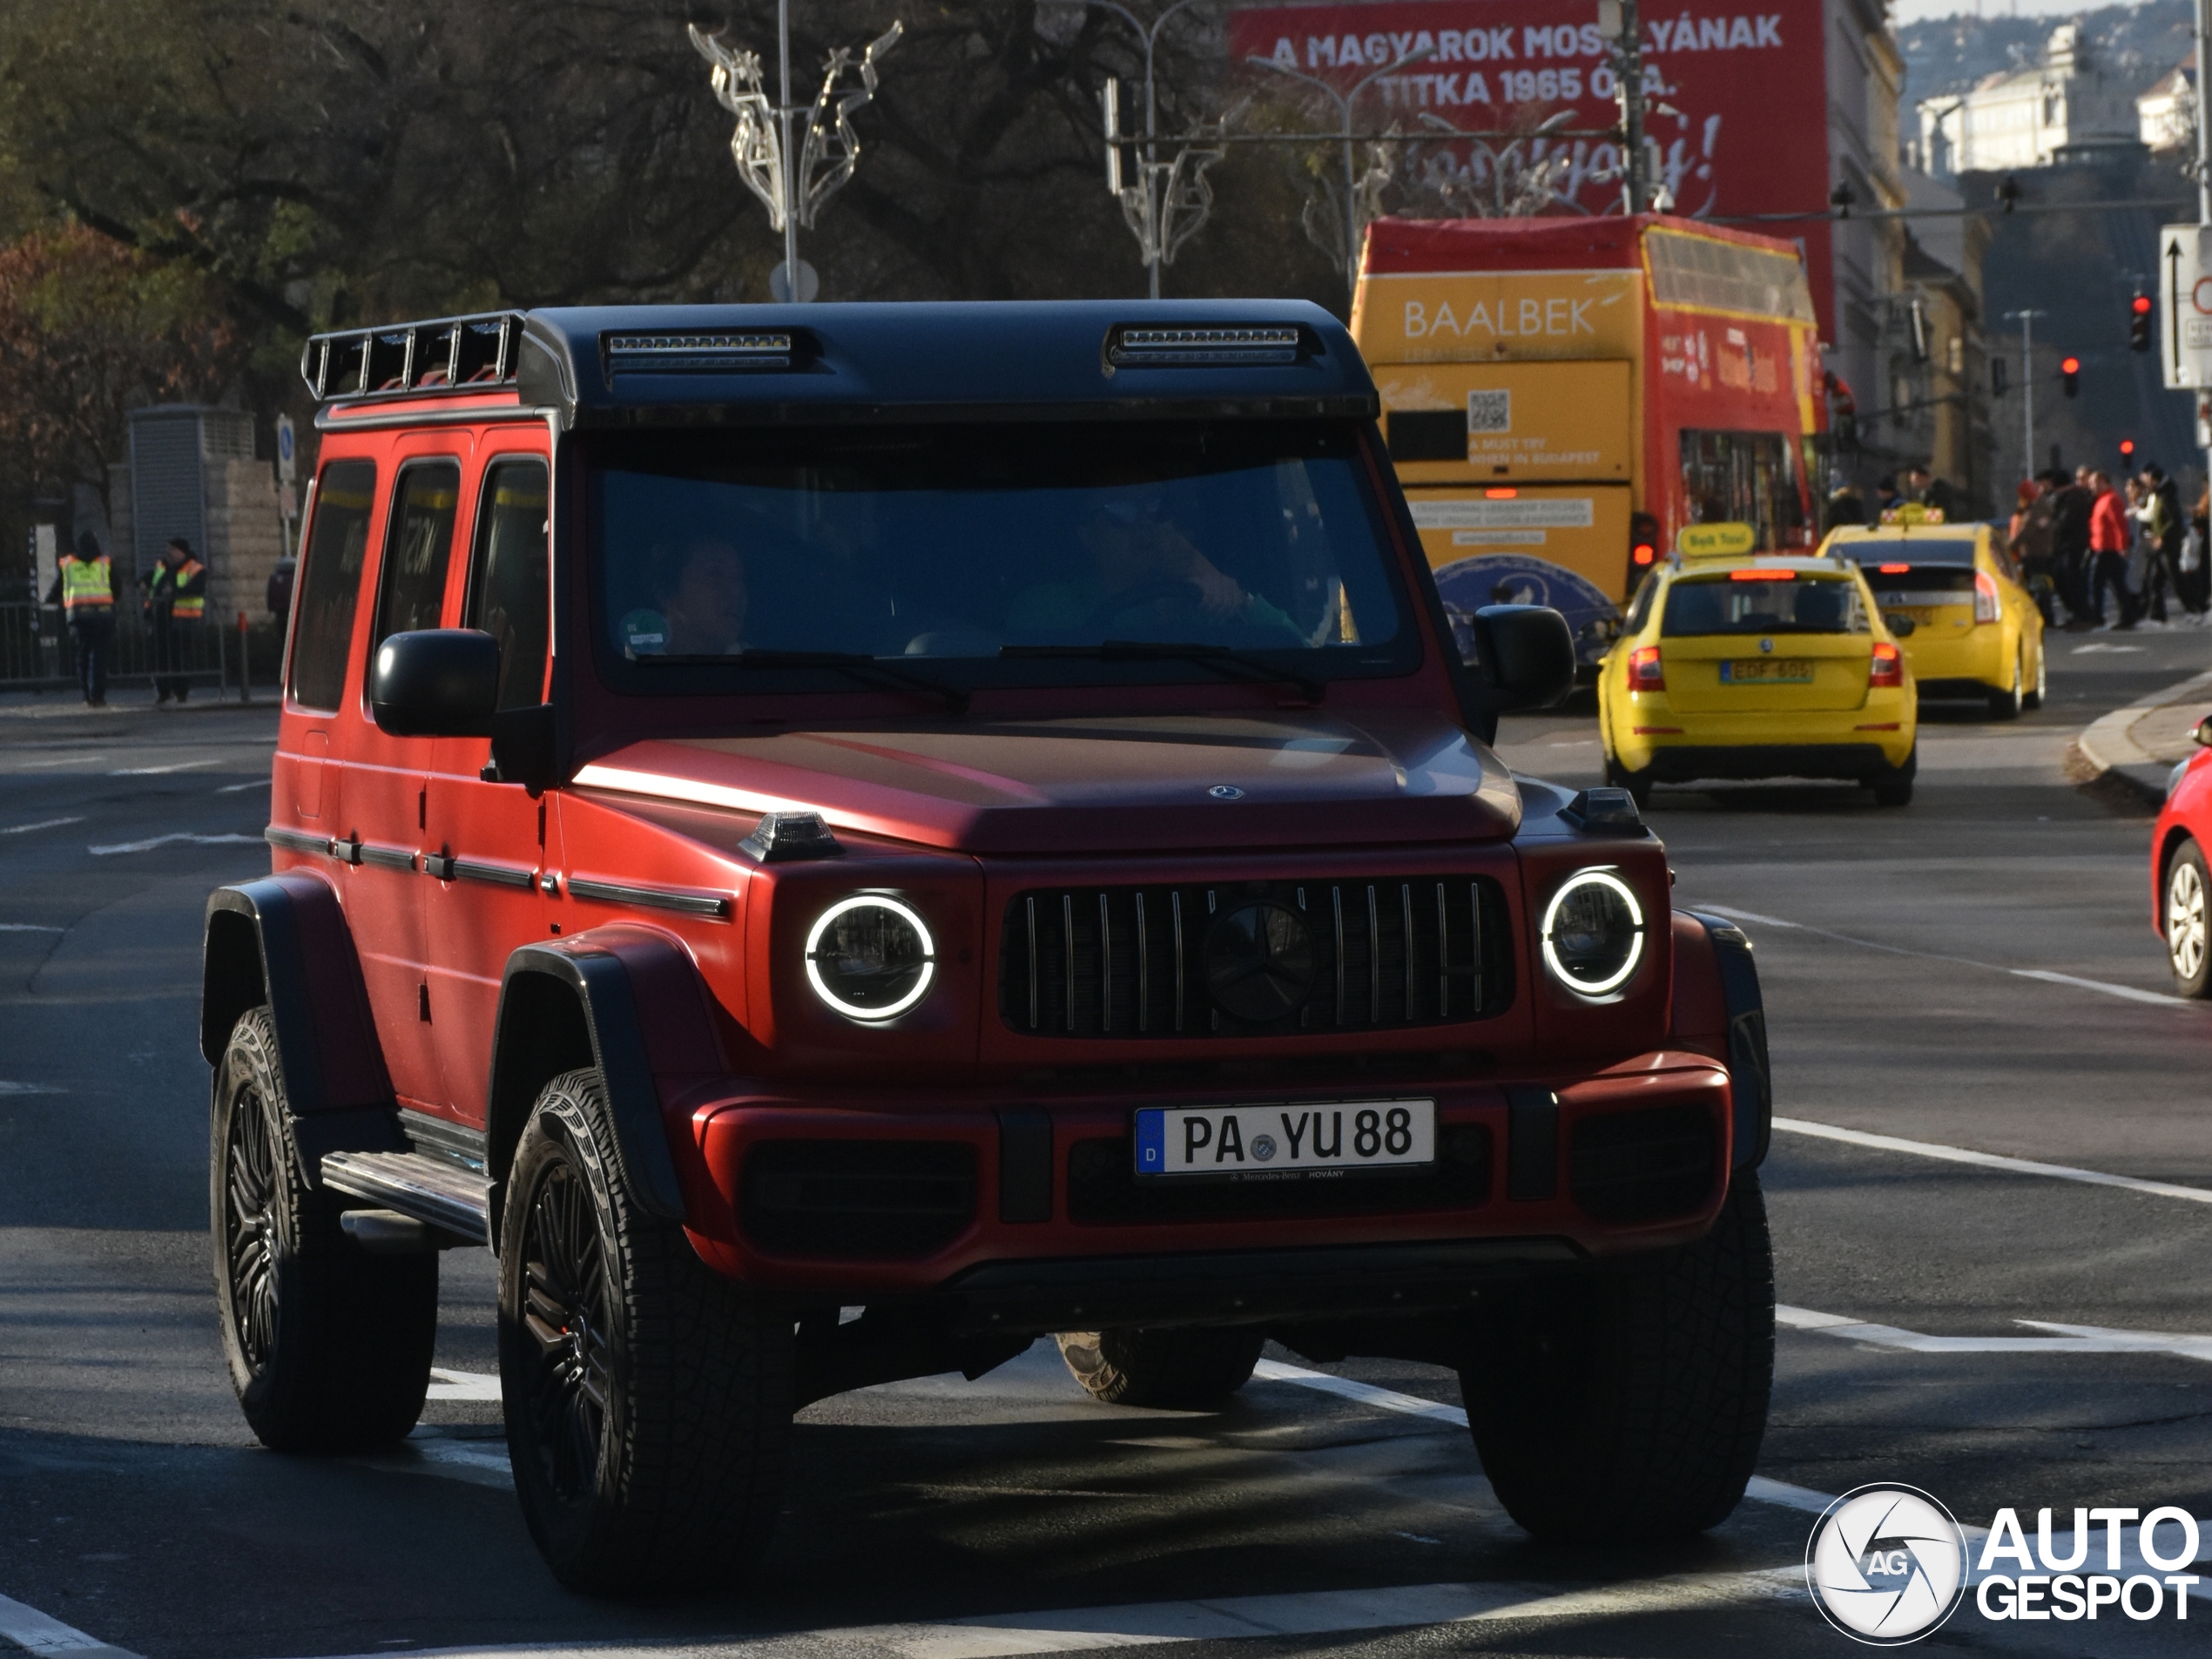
(2069,365)
(2126,447)
(2139,305)
(2139,323)
(2070,376)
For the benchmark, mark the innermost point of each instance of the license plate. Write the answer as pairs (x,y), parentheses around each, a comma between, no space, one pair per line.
(1285,1142)
(1768,671)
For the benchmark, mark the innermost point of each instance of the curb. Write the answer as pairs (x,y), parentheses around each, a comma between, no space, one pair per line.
(2111,752)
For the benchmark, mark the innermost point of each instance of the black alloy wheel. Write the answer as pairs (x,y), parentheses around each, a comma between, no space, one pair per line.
(249,1226)
(565,1312)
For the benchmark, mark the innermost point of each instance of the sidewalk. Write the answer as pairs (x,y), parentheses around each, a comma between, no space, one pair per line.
(2140,744)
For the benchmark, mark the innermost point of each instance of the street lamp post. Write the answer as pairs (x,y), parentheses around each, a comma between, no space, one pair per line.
(1617,23)
(792,182)
(1344,102)
(1151,215)
(2027,320)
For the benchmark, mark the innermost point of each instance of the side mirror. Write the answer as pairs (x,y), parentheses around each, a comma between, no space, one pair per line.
(1526,653)
(2203,733)
(1899,624)
(436,682)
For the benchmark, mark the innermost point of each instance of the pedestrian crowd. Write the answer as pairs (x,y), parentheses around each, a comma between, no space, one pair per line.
(88,589)
(2112,554)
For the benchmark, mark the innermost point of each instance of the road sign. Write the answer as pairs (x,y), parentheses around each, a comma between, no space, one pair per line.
(287,451)
(2185,307)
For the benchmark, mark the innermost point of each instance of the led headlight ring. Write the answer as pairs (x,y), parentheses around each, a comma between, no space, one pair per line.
(905,913)
(1620,975)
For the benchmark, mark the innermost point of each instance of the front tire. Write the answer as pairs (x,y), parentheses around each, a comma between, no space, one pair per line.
(328,1346)
(1178,1370)
(647,1398)
(2186,927)
(1630,1405)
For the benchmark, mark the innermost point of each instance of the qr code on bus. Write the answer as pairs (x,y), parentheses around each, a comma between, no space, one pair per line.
(1490,412)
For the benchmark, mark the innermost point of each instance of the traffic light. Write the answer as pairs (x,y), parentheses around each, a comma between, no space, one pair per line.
(2139,323)
(2070,375)
(2126,448)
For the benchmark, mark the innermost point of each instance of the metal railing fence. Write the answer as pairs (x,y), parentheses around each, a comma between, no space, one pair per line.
(36,652)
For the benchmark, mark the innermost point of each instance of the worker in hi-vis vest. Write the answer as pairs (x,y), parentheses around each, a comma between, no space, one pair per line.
(85,589)
(176,602)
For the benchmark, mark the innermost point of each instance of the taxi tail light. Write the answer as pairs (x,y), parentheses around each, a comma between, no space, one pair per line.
(1646,671)
(1889,665)
(1985,596)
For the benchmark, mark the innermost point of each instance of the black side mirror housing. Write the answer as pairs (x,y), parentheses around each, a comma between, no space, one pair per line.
(436,682)
(1526,655)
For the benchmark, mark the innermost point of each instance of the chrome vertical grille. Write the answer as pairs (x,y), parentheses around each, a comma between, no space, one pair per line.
(1378,955)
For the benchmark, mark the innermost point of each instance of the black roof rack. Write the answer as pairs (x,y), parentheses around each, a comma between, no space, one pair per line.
(472,354)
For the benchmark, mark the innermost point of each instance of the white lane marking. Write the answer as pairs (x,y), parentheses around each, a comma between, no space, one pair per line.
(44,823)
(1010,1635)
(1991,1160)
(477,1463)
(157,771)
(7,1088)
(163,841)
(1367,1393)
(461,1385)
(2048,976)
(28,928)
(2100,649)
(33,1631)
(2157,999)
(233,789)
(1739,916)
(2074,1340)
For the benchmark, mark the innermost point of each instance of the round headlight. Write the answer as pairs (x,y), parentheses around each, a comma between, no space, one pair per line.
(1593,932)
(870,957)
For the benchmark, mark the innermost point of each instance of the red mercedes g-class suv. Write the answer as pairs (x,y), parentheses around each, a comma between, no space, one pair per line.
(973,813)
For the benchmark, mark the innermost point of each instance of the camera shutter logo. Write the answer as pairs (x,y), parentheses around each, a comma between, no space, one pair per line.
(1886,1564)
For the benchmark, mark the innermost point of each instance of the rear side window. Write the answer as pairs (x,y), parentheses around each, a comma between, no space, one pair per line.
(330,577)
(417,545)
(508,584)
(1780,604)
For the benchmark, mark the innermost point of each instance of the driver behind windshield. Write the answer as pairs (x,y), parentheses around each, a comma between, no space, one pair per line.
(703,601)
(1145,579)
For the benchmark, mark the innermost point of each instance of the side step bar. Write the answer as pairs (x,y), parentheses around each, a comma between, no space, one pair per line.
(431,1190)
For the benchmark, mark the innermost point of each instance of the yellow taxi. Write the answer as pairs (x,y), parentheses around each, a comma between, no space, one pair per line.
(1975,631)
(1736,665)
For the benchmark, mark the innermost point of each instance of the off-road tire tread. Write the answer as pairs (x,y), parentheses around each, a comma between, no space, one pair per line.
(355,1333)
(1180,1369)
(1631,1407)
(689,1496)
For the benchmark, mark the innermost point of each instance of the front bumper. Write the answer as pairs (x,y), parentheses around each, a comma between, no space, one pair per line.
(1020,1214)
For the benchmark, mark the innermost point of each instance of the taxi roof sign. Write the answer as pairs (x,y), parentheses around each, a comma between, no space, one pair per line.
(1716,541)
(1912,512)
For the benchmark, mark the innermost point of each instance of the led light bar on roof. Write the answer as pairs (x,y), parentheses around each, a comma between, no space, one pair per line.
(700,354)
(1204,347)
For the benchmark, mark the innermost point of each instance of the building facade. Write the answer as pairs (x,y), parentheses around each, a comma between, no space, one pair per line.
(2028,116)
(2166,115)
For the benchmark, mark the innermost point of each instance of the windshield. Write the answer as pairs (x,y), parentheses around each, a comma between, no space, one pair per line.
(1779,601)
(991,554)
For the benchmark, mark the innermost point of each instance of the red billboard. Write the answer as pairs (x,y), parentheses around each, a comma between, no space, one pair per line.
(1739,114)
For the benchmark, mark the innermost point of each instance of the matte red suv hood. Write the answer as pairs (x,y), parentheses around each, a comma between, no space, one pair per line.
(1146,783)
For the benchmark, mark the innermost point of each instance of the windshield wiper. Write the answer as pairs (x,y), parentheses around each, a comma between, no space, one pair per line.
(857,664)
(1239,665)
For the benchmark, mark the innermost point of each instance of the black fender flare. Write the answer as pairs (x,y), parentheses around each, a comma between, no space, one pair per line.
(1750,1075)
(581,1001)
(282,941)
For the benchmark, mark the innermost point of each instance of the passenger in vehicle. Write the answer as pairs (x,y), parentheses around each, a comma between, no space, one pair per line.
(1147,579)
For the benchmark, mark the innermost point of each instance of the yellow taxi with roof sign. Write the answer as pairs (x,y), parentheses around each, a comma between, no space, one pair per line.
(1974,631)
(1736,664)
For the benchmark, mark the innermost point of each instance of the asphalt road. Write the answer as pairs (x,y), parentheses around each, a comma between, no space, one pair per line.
(948,1519)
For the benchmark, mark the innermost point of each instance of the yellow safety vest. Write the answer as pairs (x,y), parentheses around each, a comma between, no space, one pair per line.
(87,584)
(184,607)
